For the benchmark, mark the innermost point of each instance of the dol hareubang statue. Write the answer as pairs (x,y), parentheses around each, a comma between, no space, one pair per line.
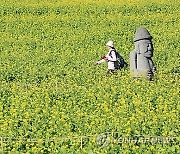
(141,64)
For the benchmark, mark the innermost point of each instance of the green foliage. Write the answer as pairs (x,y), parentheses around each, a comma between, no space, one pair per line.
(49,87)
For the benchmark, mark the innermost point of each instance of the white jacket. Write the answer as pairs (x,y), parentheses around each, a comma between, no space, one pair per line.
(111,59)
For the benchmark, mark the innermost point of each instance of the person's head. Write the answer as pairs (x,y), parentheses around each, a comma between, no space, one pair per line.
(110,44)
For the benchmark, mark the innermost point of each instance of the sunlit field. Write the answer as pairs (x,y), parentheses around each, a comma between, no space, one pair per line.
(54,100)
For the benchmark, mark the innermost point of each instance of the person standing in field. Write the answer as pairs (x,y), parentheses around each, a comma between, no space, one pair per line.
(114,60)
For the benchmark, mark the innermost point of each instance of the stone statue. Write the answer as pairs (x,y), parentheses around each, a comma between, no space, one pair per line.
(141,64)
